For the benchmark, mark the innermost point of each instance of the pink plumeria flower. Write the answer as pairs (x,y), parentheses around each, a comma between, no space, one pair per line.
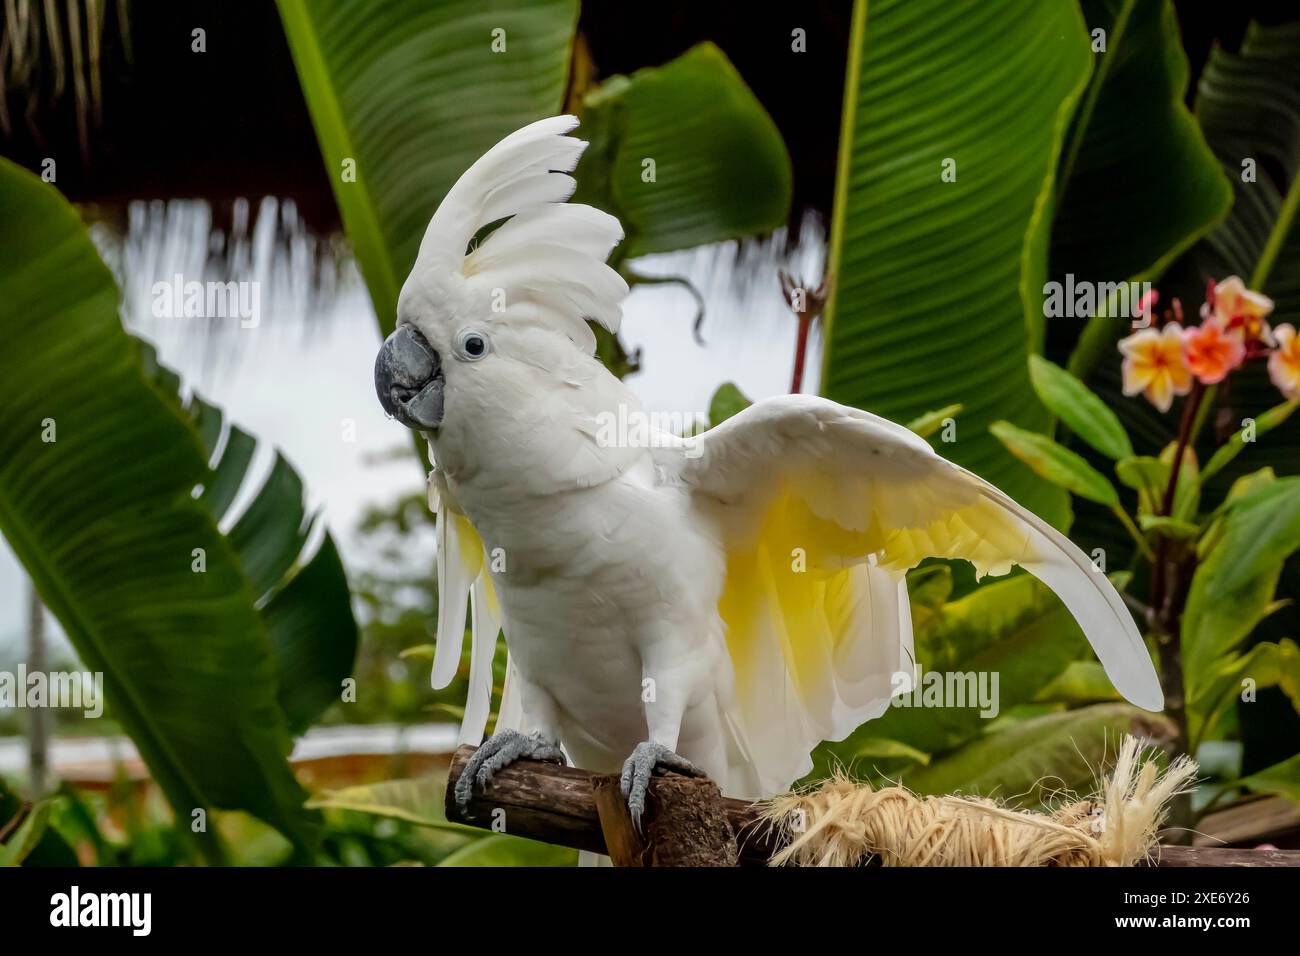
(1284,363)
(1212,351)
(1240,310)
(1154,365)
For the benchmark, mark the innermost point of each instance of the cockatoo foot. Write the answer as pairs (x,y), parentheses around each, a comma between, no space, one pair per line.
(500,750)
(638,768)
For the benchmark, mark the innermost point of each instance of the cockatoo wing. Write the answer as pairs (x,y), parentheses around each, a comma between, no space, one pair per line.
(823,508)
(464,581)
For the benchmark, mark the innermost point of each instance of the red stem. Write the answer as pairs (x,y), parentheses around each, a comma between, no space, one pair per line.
(1168,596)
(1190,409)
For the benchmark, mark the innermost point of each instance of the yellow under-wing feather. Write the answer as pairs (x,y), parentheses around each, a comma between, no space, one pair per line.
(822,510)
(799,561)
(798,605)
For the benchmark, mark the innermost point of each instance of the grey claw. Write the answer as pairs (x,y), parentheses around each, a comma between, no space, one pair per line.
(499,751)
(637,769)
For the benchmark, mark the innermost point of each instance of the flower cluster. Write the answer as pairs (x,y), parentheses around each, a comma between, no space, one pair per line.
(1164,359)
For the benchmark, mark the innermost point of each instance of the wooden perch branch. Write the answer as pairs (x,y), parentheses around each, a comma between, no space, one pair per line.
(684,821)
(687,822)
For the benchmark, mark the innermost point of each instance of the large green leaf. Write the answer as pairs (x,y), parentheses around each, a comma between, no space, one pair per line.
(1248,104)
(313,636)
(304,601)
(1127,211)
(1056,463)
(413,92)
(1079,408)
(1232,589)
(104,520)
(1082,682)
(702,189)
(34,841)
(937,293)
(1267,664)
(27,836)
(1282,779)
(418,801)
(1061,751)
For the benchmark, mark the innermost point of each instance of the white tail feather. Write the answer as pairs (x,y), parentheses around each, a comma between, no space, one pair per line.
(478,698)
(510,715)
(453,598)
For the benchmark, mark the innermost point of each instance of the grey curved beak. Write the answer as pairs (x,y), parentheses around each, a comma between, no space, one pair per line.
(409,380)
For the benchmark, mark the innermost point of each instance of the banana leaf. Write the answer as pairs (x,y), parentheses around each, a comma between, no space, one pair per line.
(954,119)
(99,468)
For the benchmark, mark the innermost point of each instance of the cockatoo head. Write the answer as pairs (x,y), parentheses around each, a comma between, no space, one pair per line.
(479,327)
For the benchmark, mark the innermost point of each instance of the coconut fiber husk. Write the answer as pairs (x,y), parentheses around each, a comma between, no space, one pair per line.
(844,823)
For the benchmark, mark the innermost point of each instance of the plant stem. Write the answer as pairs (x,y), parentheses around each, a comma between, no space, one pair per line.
(24,807)
(1207,404)
(1170,575)
(1277,236)
(1190,409)
(1133,530)
(1137,607)
(800,352)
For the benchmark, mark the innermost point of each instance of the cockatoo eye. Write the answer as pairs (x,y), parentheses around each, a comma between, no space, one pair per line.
(471,345)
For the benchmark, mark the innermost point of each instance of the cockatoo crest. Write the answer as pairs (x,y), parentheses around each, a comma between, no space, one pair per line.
(545,266)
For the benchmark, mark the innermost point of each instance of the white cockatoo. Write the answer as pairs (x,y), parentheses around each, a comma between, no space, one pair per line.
(718,604)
